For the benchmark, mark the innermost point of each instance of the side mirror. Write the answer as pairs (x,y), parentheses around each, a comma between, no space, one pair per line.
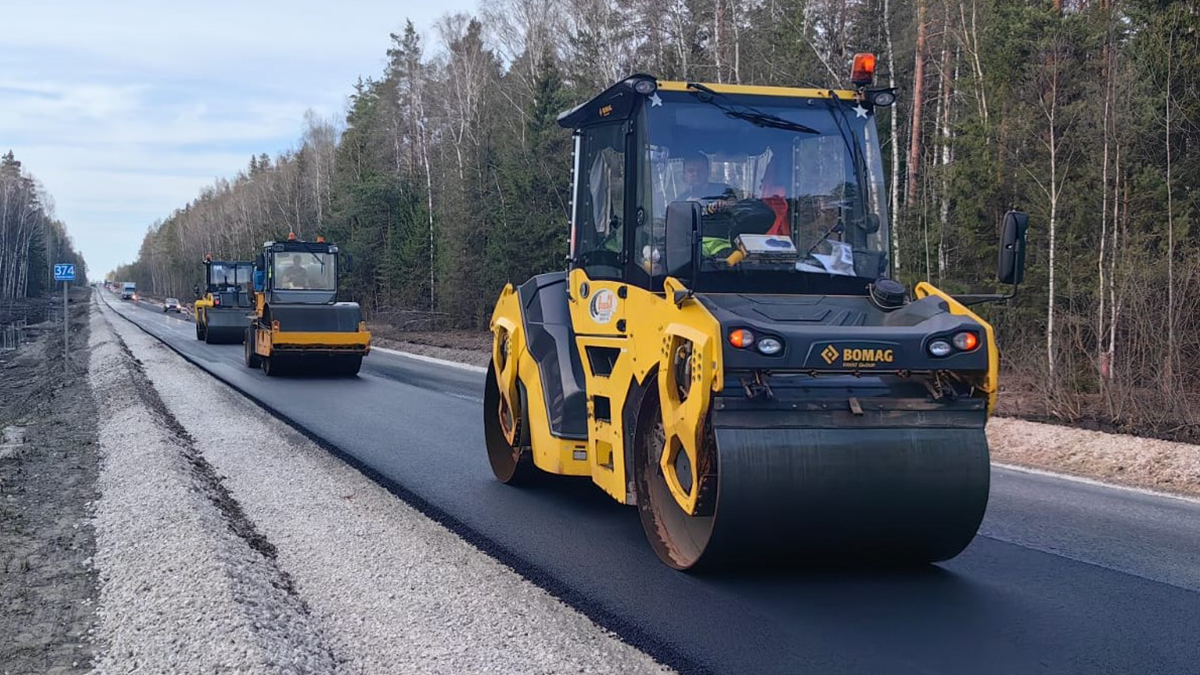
(1011,268)
(349,262)
(683,228)
(196,291)
(259,281)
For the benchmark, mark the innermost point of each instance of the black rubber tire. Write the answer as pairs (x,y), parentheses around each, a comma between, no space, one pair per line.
(253,360)
(512,466)
(271,366)
(199,329)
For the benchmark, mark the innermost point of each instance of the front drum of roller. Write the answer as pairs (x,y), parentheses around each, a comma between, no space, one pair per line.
(812,496)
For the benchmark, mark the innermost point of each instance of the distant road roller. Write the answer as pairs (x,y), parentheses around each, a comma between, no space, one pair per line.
(298,325)
(727,350)
(223,310)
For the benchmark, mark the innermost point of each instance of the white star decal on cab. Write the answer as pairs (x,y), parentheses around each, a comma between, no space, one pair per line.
(860,111)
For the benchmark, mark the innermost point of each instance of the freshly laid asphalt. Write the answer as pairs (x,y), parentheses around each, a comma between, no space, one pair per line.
(1064,577)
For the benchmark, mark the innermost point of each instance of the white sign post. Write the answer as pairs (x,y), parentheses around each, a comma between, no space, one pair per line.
(65,272)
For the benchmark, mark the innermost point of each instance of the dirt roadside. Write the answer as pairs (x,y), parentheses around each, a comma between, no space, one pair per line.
(49,464)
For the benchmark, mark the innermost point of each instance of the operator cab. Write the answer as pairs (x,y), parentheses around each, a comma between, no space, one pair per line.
(298,272)
(730,189)
(229,283)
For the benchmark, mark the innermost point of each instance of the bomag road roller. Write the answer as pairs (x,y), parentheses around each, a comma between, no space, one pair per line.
(727,350)
(223,311)
(298,324)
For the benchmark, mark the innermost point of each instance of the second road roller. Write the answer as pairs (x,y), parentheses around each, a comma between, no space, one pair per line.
(728,350)
(298,325)
(223,310)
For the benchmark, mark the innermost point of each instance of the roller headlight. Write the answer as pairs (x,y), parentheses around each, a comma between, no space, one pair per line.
(770,346)
(939,348)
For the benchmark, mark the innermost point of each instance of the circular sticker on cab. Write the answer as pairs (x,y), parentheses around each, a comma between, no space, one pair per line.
(603,306)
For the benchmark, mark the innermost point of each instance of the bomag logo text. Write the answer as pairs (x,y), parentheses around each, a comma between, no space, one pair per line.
(857,357)
(884,355)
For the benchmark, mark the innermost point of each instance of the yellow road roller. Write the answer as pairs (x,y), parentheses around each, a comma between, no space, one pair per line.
(223,310)
(728,351)
(298,325)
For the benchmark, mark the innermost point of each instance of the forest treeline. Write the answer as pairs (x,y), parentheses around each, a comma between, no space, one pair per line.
(31,238)
(449,177)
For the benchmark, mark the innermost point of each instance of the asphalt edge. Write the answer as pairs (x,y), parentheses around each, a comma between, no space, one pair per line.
(624,630)
(431,359)
(1095,482)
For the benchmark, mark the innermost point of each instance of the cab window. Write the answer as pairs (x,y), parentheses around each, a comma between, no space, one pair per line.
(600,201)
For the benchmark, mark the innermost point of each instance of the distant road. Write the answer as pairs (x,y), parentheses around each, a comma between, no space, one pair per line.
(1065,577)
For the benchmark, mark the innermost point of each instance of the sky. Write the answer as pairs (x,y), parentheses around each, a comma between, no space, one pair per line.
(124,109)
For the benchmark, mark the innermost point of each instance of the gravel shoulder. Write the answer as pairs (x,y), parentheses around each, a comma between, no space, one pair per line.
(49,463)
(286,557)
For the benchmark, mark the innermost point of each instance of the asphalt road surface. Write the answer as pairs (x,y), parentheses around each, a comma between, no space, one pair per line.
(1065,576)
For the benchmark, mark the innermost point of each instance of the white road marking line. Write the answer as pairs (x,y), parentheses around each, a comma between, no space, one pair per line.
(431,359)
(1097,483)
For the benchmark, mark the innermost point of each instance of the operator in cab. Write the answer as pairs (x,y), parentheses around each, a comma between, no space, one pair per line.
(294,275)
(725,215)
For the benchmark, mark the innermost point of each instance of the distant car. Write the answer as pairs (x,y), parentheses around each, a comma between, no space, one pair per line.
(171,305)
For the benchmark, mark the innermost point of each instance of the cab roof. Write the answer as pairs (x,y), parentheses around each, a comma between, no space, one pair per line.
(617,101)
(299,247)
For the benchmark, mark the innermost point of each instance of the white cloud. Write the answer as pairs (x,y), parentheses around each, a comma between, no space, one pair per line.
(126,109)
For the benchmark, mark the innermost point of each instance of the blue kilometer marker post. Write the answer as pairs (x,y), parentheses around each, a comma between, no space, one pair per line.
(65,272)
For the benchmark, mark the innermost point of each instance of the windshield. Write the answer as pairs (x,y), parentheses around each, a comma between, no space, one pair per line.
(304,271)
(791,185)
(222,276)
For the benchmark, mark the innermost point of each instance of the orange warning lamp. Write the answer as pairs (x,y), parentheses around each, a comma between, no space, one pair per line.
(863,73)
(291,236)
(741,338)
(320,239)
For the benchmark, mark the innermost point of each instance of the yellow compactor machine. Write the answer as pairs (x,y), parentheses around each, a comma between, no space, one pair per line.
(298,325)
(222,312)
(727,350)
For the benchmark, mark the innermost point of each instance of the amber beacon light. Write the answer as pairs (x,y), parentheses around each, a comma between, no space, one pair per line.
(863,73)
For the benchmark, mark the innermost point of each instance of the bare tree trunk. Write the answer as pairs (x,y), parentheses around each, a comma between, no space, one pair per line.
(717,29)
(895,138)
(1114,307)
(970,43)
(949,64)
(1104,372)
(1052,111)
(1172,352)
(914,150)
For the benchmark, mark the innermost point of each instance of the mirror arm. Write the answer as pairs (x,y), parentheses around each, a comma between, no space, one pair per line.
(979,299)
(681,297)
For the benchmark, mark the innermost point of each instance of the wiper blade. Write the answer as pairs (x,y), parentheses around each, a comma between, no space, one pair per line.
(756,117)
(767,120)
